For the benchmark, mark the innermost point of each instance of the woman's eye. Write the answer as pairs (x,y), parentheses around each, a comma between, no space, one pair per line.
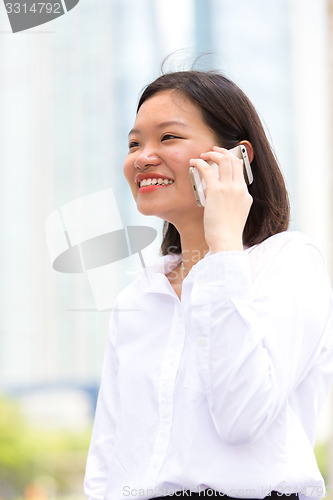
(167,137)
(133,144)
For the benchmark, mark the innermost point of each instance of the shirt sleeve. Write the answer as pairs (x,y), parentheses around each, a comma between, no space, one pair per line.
(258,338)
(101,445)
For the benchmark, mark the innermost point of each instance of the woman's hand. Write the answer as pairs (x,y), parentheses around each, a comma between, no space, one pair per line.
(228,201)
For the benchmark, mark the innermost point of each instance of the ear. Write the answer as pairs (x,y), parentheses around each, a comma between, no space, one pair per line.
(249,150)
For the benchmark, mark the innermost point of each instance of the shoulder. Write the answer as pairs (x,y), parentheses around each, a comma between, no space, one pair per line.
(287,251)
(287,242)
(284,239)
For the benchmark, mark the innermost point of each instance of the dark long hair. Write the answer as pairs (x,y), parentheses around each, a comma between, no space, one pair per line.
(228,112)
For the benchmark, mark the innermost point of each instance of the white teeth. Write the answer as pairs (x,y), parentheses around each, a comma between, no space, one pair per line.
(154,181)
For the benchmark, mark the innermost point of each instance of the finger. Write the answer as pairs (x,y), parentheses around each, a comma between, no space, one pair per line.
(224,162)
(205,170)
(238,172)
(237,163)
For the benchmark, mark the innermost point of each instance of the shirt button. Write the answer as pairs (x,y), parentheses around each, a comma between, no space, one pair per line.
(202,342)
(155,467)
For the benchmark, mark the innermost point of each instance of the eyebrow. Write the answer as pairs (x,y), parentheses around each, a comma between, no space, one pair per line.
(162,125)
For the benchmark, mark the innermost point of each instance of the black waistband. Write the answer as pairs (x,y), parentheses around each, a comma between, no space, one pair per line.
(274,495)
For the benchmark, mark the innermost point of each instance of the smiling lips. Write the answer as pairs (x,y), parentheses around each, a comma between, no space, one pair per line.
(148,183)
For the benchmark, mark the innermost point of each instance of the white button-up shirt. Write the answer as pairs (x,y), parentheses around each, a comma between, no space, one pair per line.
(221,389)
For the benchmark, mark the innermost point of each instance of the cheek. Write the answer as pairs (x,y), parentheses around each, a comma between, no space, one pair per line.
(128,169)
(182,158)
(180,162)
(129,173)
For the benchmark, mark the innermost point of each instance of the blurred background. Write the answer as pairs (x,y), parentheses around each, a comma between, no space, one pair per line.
(69,90)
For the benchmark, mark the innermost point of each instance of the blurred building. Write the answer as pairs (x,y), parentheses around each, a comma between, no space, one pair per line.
(69,90)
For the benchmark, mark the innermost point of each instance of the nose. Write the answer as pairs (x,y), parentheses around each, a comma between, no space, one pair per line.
(146,159)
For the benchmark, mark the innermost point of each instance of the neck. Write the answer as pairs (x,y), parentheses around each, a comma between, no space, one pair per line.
(193,243)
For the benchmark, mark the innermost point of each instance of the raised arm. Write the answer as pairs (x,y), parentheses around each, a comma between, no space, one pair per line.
(257,335)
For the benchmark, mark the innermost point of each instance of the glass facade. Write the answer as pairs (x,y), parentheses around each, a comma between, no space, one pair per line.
(69,90)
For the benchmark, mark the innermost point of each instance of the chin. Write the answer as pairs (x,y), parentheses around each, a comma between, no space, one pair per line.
(147,209)
(144,209)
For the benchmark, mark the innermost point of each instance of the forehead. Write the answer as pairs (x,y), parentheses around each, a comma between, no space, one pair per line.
(166,106)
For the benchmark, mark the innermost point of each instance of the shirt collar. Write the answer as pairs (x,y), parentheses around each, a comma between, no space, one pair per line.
(153,277)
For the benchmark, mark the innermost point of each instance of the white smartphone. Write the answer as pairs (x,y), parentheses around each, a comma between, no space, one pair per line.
(199,184)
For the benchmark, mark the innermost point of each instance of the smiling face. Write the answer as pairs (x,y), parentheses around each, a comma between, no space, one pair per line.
(167,133)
